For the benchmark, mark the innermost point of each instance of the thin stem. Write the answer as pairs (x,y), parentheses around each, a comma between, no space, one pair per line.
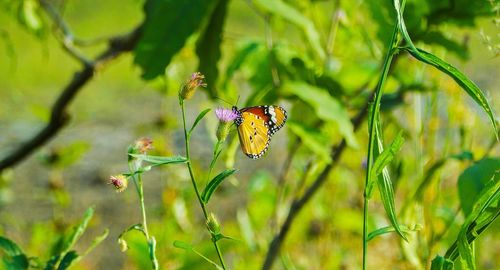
(371,141)
(143,208)
(193,181)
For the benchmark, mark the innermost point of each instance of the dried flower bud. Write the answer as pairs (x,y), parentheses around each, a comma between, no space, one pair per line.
(123,244)
(213,225)
(188,89)
(226,118)
(120,182)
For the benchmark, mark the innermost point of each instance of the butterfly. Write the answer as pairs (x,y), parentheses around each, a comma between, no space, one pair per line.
(256,125)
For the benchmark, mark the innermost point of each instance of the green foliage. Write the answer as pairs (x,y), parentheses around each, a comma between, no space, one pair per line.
(208,46)
(473,180)
(167,26)
(13,258)
(214,183)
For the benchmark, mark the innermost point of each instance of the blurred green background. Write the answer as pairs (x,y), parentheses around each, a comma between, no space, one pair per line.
(48,192)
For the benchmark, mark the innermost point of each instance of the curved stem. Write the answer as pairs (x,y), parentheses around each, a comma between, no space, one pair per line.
(193,181)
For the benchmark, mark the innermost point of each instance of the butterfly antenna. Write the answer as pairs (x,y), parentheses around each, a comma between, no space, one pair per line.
(225,101)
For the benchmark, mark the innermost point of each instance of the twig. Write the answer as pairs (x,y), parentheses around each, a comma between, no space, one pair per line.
(67,35)
(300,202)
(59,117)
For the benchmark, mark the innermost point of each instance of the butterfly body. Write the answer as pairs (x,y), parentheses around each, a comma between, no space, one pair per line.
(256,125)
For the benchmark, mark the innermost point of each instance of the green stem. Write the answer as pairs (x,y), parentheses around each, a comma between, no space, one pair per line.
(374,114)
(140,191)
(193,181)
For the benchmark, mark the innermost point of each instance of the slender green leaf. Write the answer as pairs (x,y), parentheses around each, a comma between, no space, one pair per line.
(198,119)
(97,241)
(183,245)
(485,211)
(389,229)
(77,231)
(67,260)
(152,252)
(468,85)
(327,107)
(189,247)
(291,14)
(387,155)
(167,26)
(214,183)
(312,139)
(159,160)
(441,263)
(384,182)
(472,181)
(208,47)
(137,227)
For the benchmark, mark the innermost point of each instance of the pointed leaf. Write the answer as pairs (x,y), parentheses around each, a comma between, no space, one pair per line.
(208,47)
(441,263)
(472,181)
(389,229)
(214,183)
(384,184)
(159,160)
(14,257)
(167,26)
(67,260)
(198,119)
(387,155)
(77,231)
(183,245)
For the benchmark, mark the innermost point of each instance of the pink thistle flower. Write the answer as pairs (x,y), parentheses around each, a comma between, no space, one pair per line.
(197,80)
(226,115)
(120,182)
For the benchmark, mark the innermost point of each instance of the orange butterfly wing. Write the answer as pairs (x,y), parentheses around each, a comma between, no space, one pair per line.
(256,125)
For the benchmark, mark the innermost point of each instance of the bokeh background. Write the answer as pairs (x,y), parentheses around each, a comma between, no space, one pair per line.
(45,194)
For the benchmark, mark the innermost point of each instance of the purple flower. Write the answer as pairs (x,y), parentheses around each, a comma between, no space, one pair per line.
(226,115)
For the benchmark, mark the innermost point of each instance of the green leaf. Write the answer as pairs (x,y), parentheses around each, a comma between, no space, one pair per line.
(159,160)
(214,183)
(484,212)
(208,47)
(387,155)
(436,37)
(289,13)
(469,86)
(198,119)
(472,181)
(14,257)
(389,229)
(167,26)
(183,245)
(152,252)
(67,260)
(77,231)
(441,263)
(312,139)
(189,247)
(246,50)
(9,247)
(384,182)
(327,107)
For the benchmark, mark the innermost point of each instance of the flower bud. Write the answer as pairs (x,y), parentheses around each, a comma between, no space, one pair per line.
(120,182)
(226,118)
(188,89)
(213,225)
(123,244)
